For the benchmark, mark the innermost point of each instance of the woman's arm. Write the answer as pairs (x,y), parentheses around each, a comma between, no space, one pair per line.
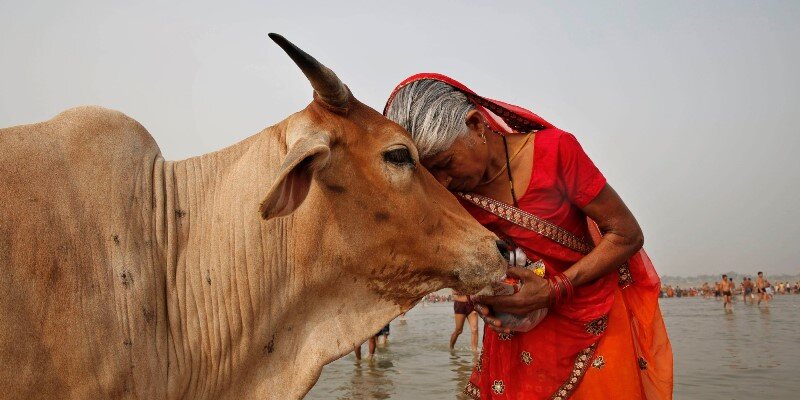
(622,238)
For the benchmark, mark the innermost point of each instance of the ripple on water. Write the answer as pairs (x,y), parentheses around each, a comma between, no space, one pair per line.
(750,353)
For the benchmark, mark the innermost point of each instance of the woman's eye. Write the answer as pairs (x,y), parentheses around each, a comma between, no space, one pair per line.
(400,156)
(445,165)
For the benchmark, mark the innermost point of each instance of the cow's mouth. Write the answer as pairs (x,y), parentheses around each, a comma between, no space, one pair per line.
(479,280)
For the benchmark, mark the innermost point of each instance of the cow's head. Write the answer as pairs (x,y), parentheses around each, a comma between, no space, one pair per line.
(353,180)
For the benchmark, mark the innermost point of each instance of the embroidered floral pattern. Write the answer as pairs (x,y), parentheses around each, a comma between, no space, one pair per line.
(599,362)
(578,369)
(526,358)
(642,363)
(598,326)
(530,221)
(472,391)
(498,387)
(625,278)
(505,336)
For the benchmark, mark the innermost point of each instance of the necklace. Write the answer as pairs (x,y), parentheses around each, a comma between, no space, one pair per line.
(509,159)
(508,169)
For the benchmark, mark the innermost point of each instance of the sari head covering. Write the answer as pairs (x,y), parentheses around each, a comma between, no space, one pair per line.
(502,117)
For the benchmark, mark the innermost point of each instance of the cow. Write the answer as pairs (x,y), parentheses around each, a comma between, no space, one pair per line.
(235,274)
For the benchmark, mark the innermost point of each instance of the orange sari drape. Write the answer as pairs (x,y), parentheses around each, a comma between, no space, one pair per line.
(636,338)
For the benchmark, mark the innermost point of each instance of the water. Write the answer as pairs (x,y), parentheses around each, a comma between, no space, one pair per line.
(750,353)
(747,354)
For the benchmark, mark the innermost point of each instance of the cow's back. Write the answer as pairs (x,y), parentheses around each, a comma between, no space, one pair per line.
(81,290)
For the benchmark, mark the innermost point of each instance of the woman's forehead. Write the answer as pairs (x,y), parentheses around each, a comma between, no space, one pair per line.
(436,158)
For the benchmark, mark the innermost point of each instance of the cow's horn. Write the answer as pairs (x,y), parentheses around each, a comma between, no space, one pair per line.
(326,84)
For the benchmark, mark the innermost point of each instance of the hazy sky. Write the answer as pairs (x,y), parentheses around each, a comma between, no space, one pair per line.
(690,108)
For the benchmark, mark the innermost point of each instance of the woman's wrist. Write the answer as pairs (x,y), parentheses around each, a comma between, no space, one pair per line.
(561,290)
(573,274)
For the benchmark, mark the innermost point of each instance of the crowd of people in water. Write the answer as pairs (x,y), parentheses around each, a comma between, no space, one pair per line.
(759,290)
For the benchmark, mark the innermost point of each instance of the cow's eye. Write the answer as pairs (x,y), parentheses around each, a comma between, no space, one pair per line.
(399,156)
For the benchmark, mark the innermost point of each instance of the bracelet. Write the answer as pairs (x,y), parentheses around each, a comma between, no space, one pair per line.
(570,290)
(561,289)
(555,292)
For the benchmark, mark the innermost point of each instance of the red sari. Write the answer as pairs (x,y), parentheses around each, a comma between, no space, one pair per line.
(609,341)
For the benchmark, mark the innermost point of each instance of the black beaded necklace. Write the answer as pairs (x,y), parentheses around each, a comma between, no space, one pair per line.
(508,165)
(508,169)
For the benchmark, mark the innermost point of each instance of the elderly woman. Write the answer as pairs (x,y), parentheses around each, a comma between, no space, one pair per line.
(533,185)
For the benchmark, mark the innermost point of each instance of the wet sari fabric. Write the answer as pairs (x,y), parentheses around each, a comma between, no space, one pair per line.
(609,341)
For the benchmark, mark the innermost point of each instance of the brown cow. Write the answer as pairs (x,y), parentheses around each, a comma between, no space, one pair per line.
(235,274)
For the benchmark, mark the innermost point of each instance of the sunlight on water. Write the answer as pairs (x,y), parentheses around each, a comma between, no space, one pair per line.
(750,353)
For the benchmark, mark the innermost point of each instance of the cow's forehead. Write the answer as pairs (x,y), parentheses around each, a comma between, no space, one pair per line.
(361,124)
(375,122)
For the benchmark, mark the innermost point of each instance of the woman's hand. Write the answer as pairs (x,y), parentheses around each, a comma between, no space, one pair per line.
(533,295)
(488,317)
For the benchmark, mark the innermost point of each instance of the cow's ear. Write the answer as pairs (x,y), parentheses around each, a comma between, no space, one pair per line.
(308,154)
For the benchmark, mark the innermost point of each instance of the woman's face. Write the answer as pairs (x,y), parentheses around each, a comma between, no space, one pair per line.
(461,167)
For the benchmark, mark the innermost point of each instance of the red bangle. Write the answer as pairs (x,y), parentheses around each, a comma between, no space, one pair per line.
(561,289)
(570,290)
(555,291)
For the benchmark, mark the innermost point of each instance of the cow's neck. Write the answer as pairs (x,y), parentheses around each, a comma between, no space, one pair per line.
(331,310)
(253,306)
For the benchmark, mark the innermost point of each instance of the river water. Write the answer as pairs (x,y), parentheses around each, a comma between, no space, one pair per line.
(750,353)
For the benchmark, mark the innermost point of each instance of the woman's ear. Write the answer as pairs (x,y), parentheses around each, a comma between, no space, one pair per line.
(475,121)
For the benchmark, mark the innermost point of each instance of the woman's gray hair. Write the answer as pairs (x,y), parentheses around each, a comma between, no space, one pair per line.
(433,112)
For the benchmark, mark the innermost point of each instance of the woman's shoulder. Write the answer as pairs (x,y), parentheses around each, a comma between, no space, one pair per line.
(551,133)
(550,143)
(557,136)
(558,144)
(563,162)
(554,138)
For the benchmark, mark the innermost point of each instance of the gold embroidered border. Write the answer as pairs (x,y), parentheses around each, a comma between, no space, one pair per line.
(543,227)
(530,221)
(578,370)
(472,391)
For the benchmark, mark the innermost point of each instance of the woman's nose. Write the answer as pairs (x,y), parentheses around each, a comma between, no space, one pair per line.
(443,178)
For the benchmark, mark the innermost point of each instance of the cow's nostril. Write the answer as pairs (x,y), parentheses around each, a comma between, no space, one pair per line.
(503,248)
